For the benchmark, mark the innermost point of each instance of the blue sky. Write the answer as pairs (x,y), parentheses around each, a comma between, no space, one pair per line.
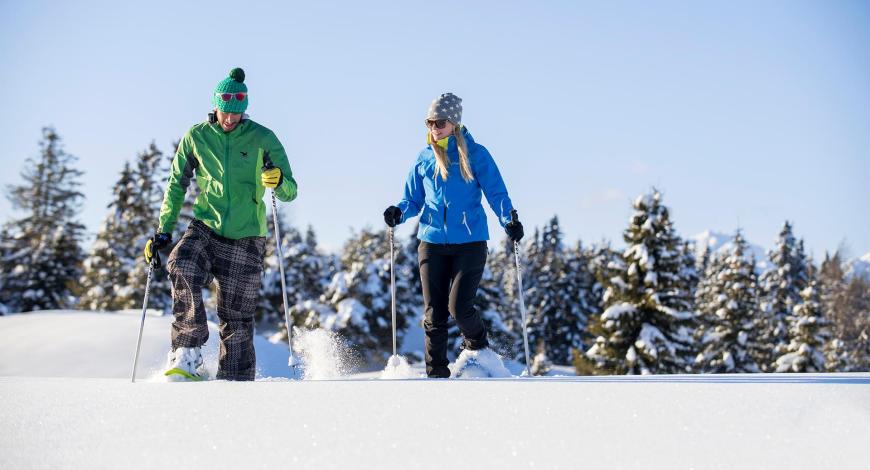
(744,114)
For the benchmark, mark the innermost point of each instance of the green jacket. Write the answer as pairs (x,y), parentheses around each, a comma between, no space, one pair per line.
(227,167)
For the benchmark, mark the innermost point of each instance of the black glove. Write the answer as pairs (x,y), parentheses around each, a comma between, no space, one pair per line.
(514,229)
(158,241)
(393,216)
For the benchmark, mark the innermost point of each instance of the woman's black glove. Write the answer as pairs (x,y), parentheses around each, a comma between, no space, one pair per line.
(393,216)
(514,229)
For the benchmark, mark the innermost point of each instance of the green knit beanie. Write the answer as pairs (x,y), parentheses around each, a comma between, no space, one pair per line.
(233,84)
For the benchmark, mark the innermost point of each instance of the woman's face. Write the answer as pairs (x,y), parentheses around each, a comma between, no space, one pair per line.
(438,134)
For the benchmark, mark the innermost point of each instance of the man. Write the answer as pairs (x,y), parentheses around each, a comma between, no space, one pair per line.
(234,160)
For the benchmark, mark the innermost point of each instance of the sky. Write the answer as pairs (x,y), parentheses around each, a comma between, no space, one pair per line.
(743,114)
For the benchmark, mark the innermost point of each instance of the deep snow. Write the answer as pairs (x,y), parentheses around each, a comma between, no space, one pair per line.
(703,421)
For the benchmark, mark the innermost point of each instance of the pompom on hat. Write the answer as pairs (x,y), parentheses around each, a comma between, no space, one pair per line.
(234,83)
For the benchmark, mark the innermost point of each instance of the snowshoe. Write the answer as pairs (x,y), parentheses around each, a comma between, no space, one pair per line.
(185,365)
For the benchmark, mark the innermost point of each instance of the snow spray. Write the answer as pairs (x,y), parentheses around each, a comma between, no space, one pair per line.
(325,354)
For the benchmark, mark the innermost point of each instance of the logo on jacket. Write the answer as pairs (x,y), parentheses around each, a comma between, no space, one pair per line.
(244,154)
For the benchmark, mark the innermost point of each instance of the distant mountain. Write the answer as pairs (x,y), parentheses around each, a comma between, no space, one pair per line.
(858,267)
(723,243)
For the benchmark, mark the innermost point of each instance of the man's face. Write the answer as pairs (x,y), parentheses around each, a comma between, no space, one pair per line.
(228,121)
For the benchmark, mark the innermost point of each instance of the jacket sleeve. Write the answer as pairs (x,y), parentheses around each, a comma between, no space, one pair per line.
(183,165)
(288,189)
(412,201)
(493,186)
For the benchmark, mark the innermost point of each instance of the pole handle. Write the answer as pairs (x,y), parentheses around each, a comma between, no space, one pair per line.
(514,217)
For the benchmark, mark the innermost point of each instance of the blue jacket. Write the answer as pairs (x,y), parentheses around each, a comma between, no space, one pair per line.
(452,212)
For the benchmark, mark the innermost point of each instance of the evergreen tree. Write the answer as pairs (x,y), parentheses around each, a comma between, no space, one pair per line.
(728,305)
(809,335)
(46,243)
(111,258)
(781,287)
(558,297)
(7,259)
(357,303)
(500,288)
(647,324)
(306,272)
(140,221)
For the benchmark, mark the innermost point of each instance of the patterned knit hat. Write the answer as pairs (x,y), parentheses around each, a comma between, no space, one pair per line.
(447,106)
(233,84)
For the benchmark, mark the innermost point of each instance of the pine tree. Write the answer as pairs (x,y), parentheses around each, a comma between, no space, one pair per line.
(111,258)
(7,259)
(46,242)
(647,325)
(141,223)
(357,302)
(558,295)
(501,309)
(306,273)
(809,335)
(781,287)
(728,305)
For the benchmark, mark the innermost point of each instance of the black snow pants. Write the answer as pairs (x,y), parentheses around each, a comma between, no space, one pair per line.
(200,256)
(450,274)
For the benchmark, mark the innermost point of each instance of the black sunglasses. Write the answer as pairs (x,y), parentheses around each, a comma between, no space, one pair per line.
(437,124)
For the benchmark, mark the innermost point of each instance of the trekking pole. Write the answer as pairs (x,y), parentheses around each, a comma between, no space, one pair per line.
(291,361)
(393,288)
(154,260)
(514,219)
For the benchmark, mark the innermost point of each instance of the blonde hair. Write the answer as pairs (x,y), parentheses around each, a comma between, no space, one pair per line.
(442,163)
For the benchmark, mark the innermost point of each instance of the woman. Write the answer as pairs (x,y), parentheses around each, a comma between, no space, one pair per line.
(445,183)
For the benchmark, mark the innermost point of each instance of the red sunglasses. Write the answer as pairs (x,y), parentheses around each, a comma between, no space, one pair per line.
(229,96)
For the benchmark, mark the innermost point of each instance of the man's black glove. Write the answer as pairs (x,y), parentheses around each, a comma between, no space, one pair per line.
(158,241)
(514,229)
(393,216)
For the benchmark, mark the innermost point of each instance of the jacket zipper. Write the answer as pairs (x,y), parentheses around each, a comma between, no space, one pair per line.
(465,222)
(226,179)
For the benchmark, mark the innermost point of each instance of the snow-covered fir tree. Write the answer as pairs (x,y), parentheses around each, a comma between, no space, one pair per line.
(112,256)
(6,254)
(780,293)
(357,302)
(558,295)
(809,335)
(306,272)
(45,244)
(648,323)
(115,271)
(728,307)
(141,219)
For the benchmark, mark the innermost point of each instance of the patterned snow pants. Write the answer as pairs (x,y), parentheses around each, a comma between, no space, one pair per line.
(237,265)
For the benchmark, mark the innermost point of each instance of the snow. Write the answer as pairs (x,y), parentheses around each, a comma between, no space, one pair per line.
(486,359)
(615,312)
(398,368)
(83,412)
